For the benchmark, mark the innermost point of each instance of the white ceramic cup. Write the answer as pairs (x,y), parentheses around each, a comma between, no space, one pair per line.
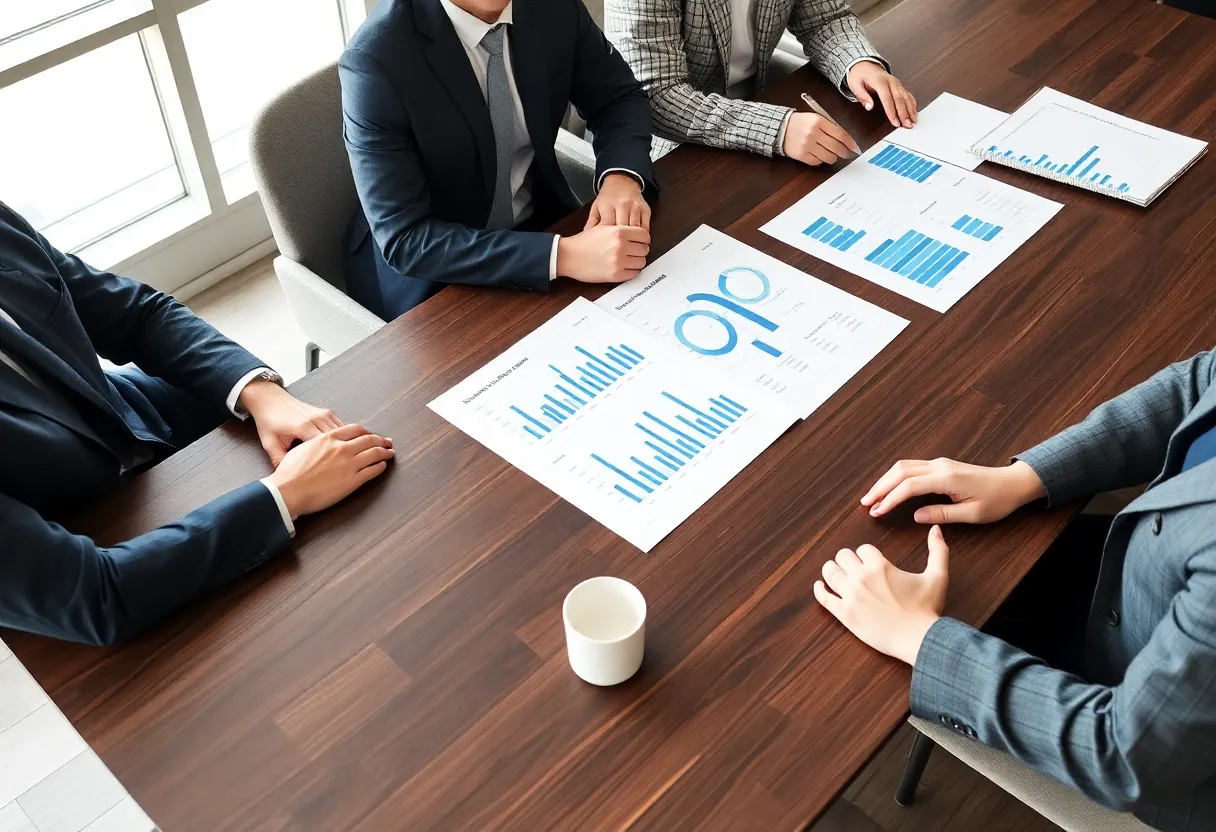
(605,630)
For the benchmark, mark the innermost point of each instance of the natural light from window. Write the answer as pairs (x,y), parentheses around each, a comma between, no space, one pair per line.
(243,52)
(93,153)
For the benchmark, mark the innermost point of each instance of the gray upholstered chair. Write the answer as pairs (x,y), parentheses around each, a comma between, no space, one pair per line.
(1062,805)
(303,174)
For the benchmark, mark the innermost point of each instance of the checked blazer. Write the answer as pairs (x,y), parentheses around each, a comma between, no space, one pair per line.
(1138,732)
(680,51)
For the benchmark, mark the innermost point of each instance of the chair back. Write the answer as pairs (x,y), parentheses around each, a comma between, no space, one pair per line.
(303,174)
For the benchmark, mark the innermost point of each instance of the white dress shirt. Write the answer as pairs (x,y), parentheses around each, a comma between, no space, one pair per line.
(742,41)
(237,389)
(470,29)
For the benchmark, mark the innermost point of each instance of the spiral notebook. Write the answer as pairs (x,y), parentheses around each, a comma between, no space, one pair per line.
(1063,138)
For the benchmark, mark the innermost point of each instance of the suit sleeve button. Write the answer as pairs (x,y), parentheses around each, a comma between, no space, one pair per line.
(1112,618)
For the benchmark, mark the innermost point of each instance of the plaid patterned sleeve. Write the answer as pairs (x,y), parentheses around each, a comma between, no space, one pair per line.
(648,34)
(1146,740)
(832,37)
(1122,442)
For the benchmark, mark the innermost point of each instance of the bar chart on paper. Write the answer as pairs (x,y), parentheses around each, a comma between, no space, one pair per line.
(931,236)
(672,441)
(576,389)
(917,257)
(735,309)
(613,421)
(904,163)
(1081,168)
(1073,141)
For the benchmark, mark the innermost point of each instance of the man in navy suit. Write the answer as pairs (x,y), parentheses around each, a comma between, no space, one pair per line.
(71,431)
(451,109)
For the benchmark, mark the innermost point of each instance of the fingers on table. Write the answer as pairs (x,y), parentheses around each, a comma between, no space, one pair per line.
(883,88)
(349,432)
(896,474)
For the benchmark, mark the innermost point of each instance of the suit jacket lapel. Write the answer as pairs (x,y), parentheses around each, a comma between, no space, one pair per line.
(33,345)
(717,12)
(531,79)
(446,55)
(1197,485)
(771,18)
(48,368)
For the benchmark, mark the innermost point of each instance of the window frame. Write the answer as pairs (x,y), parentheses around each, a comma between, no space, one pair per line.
(198,239)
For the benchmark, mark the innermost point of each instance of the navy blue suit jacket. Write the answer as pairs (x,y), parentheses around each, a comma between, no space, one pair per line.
(421,145)
(62,440)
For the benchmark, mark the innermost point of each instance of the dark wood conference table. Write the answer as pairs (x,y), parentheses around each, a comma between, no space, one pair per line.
(405,669)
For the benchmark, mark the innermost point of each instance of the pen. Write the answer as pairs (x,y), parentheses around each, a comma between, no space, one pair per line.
(814,105)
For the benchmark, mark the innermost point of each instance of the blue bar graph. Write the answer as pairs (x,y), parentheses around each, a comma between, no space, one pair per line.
(673,446)
(904,163)
(978,229)
(1082,168)
(833,234)
(918,257)
(578,387)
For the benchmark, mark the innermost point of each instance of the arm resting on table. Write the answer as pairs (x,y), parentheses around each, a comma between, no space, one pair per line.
(648,35)
(393,191)
(613,104)
(1153,734)
(130,322)
(65,586)
(1122,442)
(832,38)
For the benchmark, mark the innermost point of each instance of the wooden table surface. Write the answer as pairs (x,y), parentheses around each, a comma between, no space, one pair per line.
(406,670)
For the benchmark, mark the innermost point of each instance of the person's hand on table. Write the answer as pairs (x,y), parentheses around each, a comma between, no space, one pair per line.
(329,467)
(619,202)
(977,494)
(282,419)
(603,254)
(814,140)
(887,608)
(868,80)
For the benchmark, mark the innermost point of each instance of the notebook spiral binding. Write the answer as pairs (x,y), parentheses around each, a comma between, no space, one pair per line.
(1010,162)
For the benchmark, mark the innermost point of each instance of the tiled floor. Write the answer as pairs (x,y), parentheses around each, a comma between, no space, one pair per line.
(50,780)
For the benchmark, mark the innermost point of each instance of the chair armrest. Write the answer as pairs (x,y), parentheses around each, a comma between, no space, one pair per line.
(576,159)
(1061,804)
(328,317)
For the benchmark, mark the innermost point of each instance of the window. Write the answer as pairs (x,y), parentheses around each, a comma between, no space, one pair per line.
(127,121)
(75,183)
(242,52)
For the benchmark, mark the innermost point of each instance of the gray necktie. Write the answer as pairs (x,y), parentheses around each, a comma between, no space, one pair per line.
(502,117)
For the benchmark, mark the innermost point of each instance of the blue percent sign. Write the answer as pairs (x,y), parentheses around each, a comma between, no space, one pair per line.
(730,302)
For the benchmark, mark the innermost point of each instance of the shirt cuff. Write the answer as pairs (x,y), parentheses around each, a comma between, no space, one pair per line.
(599,183)
(844,85)
(553,259)
(278,501)
(779,150)
(239,388)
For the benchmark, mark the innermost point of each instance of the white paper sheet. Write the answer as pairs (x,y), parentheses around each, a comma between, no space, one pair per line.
(924,229)
(736,309)
(1090,146)
(947,128)
(613,421)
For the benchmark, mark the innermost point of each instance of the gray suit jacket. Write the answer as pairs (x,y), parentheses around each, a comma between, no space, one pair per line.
(680,51)
(1139,733)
